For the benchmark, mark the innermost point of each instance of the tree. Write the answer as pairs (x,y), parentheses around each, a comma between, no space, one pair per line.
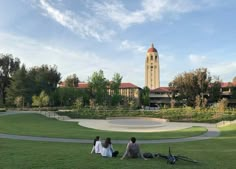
(234,79)
(114,87)
(19,101)
(190,84)
(145,99)
(98,84)
(71,81)
(214,91)
(19,87)
(79,103)
(8,66)
(43,78)
(41,100)
(222,105)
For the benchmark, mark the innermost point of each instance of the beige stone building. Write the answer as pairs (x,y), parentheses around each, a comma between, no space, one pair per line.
(152,69)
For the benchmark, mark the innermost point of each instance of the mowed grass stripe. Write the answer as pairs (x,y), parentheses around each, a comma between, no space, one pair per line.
(39,125)
(217,153)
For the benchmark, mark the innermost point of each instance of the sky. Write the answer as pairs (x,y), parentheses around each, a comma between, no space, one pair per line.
(84,36)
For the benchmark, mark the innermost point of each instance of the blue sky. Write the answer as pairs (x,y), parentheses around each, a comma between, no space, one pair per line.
(83,36)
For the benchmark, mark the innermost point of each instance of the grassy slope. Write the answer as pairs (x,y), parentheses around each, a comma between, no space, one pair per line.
(38,125)
(218,153)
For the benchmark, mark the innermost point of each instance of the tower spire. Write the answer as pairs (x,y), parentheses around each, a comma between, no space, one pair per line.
(152,45)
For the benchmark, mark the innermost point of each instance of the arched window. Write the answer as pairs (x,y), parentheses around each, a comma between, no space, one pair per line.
(151,57)
(155,57)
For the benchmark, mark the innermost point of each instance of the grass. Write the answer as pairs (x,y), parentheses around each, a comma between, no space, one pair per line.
(39,125)
(218,153)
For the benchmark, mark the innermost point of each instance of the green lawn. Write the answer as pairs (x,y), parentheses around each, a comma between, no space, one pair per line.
(218,153)
(39,125)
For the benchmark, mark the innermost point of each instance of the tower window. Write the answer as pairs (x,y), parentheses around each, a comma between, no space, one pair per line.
(151,58)
(155,57)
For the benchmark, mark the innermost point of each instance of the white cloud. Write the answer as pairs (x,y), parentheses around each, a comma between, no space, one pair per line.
(225,70)
(35,53)
(85,26)
(197,59)
(150,10)
(128,45)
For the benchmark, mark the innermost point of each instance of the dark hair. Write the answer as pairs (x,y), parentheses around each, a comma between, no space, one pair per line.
(96,139)
(107,142)
(133,139)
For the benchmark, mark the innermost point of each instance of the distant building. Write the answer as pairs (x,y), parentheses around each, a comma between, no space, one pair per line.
(128,90)
(228,91)
(152,69)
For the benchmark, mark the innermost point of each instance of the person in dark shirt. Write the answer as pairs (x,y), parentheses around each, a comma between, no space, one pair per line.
(133,150)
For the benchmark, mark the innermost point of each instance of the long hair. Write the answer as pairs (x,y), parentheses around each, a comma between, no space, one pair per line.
(107,142)
(96,139)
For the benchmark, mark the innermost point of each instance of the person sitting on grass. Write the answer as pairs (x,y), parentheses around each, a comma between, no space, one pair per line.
(97,146)
(133,150)
(107,149)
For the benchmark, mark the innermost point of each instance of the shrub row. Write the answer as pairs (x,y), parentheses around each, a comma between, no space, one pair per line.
(176,114)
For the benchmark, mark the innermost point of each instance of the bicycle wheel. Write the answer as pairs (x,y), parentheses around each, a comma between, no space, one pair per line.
(184,158)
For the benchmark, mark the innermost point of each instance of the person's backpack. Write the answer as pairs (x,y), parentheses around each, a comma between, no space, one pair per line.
(147,155)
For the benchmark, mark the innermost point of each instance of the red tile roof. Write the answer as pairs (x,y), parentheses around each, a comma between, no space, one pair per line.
(228,84)
(83,85)
(161,89)
(127,85)
(122,85)
(152,49)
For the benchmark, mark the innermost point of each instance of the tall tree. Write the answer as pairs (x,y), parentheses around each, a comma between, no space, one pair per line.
(114,87)
(19,87)
(234,79)
(98,87)
(8,65)
(72,81)
(145,99)
(214,91)
(190,84)
(44,78)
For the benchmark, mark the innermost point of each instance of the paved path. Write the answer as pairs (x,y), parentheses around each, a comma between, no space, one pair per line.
(212,132)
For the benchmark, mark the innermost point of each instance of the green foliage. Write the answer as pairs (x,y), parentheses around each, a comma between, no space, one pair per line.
(98,87)
(8,66)
(72,81)
(43,78)
(214,91)
(145,99)
(114,89)
(67,96)
(19,87)
(190,84)
(41,100)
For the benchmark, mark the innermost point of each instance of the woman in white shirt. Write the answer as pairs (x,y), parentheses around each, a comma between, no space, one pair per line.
(107,149)
(97,146)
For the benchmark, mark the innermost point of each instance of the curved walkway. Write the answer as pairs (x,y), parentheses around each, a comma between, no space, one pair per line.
(212,132)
